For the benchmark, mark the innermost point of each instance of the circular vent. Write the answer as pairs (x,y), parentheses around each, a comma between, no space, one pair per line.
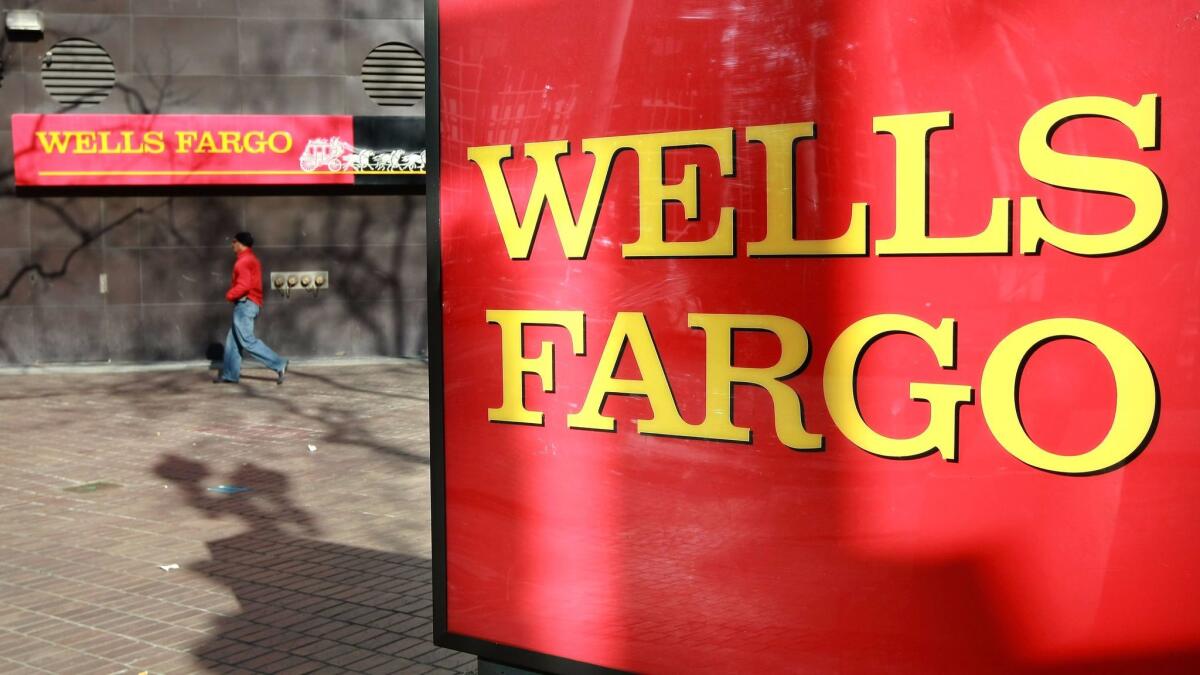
(78,72)
(394,74)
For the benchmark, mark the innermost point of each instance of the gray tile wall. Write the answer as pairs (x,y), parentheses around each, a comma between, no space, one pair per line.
(164,253)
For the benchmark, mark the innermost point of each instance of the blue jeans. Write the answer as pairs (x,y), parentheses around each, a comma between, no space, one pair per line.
(241,337)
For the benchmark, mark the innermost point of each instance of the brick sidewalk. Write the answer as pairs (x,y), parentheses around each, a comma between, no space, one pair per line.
(323,567)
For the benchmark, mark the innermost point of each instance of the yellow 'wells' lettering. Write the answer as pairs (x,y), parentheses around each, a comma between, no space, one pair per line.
(155,142)
(911,134)
(54,141)
(100,142)
(1133,181)
(779,142)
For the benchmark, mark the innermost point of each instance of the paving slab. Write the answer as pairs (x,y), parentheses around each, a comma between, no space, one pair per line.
(118,556)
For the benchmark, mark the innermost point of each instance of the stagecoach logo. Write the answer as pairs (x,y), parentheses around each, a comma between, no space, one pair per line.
(337,155)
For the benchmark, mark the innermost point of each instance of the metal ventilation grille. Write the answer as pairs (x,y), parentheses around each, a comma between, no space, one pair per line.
(78,72)
(394,74)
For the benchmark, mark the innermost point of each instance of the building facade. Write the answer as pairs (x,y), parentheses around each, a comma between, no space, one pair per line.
(136,274)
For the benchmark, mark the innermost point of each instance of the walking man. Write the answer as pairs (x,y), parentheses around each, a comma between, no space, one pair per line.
(246,294)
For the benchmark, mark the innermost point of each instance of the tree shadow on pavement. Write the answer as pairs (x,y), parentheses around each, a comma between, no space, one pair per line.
(327,403)
(306,605)
(341,424)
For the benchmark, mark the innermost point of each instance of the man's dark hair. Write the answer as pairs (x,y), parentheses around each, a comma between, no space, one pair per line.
(245,239)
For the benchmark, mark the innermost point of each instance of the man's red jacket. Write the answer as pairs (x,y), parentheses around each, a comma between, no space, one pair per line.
(247,278)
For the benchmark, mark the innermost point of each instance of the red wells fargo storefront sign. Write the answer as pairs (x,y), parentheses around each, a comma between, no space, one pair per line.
(76,150)
(829,337)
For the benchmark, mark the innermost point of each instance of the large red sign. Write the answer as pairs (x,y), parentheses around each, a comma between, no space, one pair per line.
(73,150)
(819,337)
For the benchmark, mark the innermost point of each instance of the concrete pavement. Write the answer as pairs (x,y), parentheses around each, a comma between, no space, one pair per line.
(112,476)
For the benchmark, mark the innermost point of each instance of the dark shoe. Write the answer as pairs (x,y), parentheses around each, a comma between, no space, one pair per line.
(282,373)
(220,380)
